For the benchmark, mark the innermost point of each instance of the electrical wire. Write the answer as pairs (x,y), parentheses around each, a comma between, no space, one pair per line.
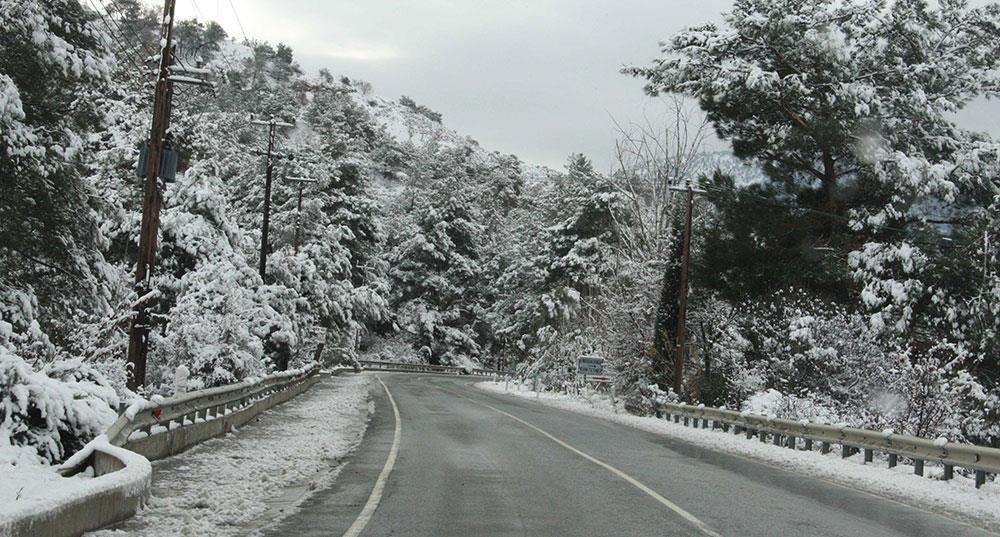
(240,23)
(125,52)
(197,9)
(135,40)
(761,200)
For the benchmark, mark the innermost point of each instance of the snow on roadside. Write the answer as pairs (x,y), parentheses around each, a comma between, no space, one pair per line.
(223,487)
(957,497)
(25,481)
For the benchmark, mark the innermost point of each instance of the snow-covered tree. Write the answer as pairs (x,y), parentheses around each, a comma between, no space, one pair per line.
(847,105)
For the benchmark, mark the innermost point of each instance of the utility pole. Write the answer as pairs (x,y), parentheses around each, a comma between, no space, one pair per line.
(138,342)
(272,126)
(680,349)
(166,75)
(302,182)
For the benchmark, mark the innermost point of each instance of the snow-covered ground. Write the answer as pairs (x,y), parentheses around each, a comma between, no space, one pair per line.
(26,483)
(236,484)
(957,498)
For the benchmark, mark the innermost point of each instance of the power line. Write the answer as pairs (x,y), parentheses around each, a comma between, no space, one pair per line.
(761,200)
(135,40)
(198,9)
(128,53)
(120,49)
(245,38)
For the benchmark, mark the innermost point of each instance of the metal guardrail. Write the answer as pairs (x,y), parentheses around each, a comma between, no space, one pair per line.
(783,432)
(147,431)
(158,429)
(428,368)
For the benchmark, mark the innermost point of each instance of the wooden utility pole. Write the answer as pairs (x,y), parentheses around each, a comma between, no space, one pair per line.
(302,182)
(680,348)
(166,74)
(138,343)
(272,126)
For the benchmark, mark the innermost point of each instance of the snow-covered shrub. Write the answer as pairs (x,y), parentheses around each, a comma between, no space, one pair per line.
(554,358)
(55,410)
(390,349)
(799,347)
(219,327)
(775,404)
(807,359)
(19,328)
(643,399)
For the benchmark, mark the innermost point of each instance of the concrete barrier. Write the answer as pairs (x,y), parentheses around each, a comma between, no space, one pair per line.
(120,485)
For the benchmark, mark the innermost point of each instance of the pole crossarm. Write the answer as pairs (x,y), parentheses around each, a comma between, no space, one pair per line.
(300,180)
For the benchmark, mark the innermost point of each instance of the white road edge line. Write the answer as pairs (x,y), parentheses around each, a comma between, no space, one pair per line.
(629,479)
(376,496)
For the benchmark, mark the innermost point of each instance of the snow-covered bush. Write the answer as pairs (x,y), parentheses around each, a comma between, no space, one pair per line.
(553,359)
(219,327)
(775,404)
(55,410)
(807,359)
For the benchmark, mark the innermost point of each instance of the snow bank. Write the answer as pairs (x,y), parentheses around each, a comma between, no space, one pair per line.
(24,479)
(957,497)
(225,486)
(36,492)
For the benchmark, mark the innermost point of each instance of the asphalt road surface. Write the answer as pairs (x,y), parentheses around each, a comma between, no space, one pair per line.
(470,463)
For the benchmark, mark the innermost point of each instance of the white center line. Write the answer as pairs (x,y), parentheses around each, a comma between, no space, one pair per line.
(376,496)
(694,521)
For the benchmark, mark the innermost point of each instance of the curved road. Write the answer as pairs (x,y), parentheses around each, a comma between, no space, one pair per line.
(472,463)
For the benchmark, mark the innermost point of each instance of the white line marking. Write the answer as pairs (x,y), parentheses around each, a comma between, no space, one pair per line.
(376,496)
(694,521)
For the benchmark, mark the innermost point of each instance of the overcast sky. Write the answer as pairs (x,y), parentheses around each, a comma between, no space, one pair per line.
(536,78)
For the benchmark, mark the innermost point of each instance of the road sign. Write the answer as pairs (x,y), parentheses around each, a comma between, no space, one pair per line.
(590,365)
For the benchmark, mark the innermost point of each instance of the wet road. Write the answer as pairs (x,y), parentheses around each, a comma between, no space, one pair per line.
(472,463)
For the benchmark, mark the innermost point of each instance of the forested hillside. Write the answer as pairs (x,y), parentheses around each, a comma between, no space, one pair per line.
(844,253)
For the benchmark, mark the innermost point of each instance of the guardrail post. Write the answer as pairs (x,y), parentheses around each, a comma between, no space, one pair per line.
(918,467)
(677,418)
(869,455)
(704,423)
(949,472)
(763,436)
(659,415)
(686,419)
(893,460)
(790,442)
(749,433)
(824,448)
(777,439)
(980,478)
(846,451)
(809,444)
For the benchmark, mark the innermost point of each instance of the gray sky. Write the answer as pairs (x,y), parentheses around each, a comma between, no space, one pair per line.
(536,78)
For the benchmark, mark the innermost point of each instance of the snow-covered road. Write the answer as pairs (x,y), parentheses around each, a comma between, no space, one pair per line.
(237,484)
